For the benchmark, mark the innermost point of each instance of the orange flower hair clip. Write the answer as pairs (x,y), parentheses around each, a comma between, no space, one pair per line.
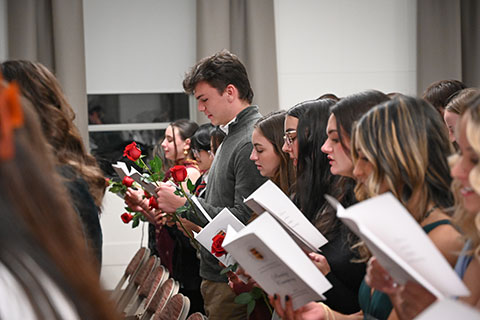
(11,118)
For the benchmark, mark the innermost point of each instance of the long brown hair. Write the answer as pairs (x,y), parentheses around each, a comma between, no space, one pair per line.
(56,115)
(271,127)
(40,229)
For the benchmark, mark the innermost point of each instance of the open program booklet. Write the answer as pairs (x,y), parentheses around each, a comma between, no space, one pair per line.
(218,225)
(268,197)
(122,170)
(266,252)
(400,244)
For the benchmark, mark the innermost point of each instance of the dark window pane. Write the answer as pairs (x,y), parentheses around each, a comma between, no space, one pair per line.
(137,108)
(107,147)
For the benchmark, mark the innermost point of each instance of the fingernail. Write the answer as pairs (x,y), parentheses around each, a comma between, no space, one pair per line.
(287,298)
(275,297)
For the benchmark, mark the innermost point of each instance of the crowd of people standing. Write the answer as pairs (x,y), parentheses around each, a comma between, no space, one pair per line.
(423,150)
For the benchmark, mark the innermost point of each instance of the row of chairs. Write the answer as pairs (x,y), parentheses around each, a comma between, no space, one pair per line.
(145,291)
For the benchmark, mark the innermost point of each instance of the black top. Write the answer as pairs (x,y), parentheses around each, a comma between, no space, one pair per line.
(345,275)
(85,207)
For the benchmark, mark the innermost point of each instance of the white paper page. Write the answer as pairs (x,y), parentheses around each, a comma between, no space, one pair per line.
(201,208)
(148,186)
(447,309)
(121,169)
(394,228)
(219,223)
(269,197)
(265,250)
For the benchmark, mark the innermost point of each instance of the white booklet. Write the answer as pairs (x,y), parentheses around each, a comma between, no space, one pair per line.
(217,225)
(268,197)
(447,309)
(400,244)
(122,170)
(266,252)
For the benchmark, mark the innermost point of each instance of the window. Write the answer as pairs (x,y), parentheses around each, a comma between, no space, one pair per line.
(115,120)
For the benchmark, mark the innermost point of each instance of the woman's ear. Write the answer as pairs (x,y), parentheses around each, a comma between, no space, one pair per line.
(186,145)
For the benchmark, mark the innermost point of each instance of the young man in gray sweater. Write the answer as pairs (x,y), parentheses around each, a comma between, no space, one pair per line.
(221,87)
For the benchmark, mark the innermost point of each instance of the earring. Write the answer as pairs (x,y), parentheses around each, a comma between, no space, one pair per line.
(185,152)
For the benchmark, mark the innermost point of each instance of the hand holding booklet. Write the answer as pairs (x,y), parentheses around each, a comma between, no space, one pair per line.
(266,251)
(268,197)
(400,244)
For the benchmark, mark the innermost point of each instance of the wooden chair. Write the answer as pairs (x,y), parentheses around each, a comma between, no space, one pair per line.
(146,290)
(140,257)
(197,316)
(176,309)
(160,298)
(137,280)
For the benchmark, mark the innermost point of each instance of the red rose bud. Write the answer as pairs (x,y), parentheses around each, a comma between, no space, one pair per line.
(147,195)
(132,152)
(217,242)
(152,203)
(127,181)
(179,173)
(126,217)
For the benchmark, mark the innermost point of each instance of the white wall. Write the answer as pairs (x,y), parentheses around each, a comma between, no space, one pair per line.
(138,46)
(3,30)
(143,46)
(344,46)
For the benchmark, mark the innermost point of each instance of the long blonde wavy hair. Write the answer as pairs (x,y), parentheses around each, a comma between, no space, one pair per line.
(406,142)
(470,223)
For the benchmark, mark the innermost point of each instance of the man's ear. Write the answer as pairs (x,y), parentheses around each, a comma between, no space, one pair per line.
(231,92)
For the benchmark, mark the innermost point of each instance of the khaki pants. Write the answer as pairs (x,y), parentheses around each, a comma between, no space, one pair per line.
(219,305)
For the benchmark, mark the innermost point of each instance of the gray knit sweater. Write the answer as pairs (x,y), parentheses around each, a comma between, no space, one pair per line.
(232,177)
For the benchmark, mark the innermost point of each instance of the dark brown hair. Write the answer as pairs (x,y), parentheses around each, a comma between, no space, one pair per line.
(271,127)
(40,231)
(56,115)
(440,92)
(220,70)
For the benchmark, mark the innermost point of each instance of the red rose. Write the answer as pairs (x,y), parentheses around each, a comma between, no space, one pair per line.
(179,173)
(217,248)
(127,181)
(152,203)
(126,217)
(132,152)
(146,194)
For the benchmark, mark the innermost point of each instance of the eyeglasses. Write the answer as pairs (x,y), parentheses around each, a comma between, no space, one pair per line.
(196,153)
(290,137)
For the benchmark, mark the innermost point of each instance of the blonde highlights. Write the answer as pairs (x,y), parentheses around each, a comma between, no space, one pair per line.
(468,222)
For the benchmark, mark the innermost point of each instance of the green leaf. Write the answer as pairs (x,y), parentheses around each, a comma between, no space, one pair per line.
(135,222)
(128,209)
(178,193)
(154,177)
(256,293)
(190,186)
(232,267)
(141,164)
(244,298)
(116,188)
(156,165)
(250,307)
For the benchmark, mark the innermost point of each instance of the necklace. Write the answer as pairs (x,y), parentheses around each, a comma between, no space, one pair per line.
(429,211)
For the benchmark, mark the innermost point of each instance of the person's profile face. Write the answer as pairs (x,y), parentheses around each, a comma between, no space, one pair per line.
(290,144)
(213,104)
(339,160)
(466,160)
(263,154)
